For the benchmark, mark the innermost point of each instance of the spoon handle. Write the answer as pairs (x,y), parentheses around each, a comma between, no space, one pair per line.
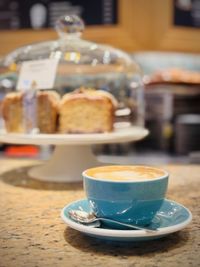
(131,226)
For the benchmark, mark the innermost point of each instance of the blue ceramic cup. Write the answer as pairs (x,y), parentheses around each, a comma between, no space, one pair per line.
(130,194)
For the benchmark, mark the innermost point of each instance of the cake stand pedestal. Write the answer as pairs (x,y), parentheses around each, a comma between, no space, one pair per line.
(66,164)
(73,152)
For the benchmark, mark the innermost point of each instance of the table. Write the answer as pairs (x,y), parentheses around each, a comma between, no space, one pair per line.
(32,233)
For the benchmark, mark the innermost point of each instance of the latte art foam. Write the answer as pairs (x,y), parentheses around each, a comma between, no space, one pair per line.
(125,173)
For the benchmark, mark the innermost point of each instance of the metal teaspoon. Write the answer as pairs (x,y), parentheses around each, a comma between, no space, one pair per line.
(88,218)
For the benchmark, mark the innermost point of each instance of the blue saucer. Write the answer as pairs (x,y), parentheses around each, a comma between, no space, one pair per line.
(171,218)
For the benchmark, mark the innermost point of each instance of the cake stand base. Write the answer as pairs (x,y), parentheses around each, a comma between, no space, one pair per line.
(66,164)
(73,152)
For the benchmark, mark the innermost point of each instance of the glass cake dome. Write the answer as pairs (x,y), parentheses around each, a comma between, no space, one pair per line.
(83,64)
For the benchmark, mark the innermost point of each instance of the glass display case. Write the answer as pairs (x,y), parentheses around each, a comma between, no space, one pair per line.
(80,64)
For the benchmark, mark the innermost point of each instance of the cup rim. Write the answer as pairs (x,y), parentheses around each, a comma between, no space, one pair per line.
(166,175)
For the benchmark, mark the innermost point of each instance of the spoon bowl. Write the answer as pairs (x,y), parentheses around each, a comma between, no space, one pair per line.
(89,218)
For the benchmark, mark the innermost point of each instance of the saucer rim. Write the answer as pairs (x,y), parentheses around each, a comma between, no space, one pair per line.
(124,233)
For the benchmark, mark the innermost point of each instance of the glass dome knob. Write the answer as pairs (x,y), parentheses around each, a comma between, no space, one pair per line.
(69,25)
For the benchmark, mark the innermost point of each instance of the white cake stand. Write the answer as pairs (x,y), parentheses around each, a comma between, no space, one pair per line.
(73,152)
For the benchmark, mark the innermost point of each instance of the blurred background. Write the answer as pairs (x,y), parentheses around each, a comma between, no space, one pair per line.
(163,37)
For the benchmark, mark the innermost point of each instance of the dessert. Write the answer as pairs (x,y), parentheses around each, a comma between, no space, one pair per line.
(87,111)
(174,75)
(14,113)
(47,111)
(82,111)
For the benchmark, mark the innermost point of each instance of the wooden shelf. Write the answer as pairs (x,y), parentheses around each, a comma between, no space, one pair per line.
(143,25)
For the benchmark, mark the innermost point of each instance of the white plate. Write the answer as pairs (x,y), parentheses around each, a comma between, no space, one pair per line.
(119,135)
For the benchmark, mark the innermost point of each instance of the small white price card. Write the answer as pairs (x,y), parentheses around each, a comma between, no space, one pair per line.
(40,73)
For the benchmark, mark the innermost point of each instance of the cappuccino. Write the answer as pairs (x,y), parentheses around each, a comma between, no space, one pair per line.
(125,173)
(126,193)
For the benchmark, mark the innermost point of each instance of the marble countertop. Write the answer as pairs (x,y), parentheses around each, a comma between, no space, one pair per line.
(33,234)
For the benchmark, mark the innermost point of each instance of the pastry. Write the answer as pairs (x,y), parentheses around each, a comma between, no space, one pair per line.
(87,111)
(14,112)
(174,75)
